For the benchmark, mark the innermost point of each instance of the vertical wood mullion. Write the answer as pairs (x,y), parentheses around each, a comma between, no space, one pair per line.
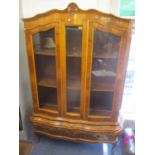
(83,105)
(63,68)
(32,70)
(58,77)
(89,67)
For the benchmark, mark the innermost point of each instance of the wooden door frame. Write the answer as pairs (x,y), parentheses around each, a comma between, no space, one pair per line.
(120,71)
(73,22)
(32,67)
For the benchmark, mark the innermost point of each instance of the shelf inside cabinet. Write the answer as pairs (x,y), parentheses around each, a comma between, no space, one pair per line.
(48,83)
(75,85)
(46,52)
(105,55)
(74,54)
(49,106)
(99,56)
(100,112)
(73,109)
(102,87)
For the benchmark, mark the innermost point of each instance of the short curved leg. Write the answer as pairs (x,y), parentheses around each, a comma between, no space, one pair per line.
(37,138)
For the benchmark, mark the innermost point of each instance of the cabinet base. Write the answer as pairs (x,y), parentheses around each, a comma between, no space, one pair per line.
(79,132)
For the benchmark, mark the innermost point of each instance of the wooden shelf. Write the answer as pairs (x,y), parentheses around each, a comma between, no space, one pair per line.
(102,87)
(51,52)
(75,85)
(49,105)
(74,54)
(48,83)
(99,112)
(73,109)
(46,52)
(105,55)
(102,55)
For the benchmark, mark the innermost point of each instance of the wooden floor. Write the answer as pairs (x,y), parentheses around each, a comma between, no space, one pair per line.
(25,148)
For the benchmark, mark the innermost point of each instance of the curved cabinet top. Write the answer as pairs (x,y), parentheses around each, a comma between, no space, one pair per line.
(73,12)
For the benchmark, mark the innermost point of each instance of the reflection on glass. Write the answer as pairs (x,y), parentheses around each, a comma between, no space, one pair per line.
(105,53)
(74,40)
(106,45)
(46,70)
(73,100)
(45,64)
(73,62)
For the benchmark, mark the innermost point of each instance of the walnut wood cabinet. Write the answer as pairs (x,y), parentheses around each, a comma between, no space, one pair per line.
(77,62)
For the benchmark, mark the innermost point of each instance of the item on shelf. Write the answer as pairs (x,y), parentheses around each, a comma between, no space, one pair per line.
(48,42)
(103,73)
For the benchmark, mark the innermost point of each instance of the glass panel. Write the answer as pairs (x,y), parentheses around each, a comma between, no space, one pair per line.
(74,40)
(73,62)
(103,103)
(45,61)
(105,53)
(47,97)
(44,42)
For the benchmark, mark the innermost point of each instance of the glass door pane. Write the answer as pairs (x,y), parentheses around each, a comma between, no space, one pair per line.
(73,67)
(45,61)
(103,74)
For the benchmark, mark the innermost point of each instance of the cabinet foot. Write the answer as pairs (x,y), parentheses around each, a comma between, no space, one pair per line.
(37,138)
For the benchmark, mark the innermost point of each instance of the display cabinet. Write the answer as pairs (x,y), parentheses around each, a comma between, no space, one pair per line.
(77,62)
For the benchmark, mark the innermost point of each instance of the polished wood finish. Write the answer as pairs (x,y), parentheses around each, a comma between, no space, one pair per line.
(56,121)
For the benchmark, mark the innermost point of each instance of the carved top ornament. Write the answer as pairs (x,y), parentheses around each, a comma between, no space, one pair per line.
(72,8)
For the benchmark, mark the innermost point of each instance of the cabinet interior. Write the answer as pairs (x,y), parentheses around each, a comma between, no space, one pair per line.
(103,70)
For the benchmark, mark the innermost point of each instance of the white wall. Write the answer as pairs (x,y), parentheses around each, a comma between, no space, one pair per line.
(114,7)
(25,97)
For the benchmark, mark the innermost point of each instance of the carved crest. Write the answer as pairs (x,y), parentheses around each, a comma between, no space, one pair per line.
(72,8)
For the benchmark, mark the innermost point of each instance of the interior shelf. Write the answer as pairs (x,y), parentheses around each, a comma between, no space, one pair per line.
(74,54)
(102,87)
(52,53)
(100,112)
(75,85)
(46,52)
(105,55)
(48,83)
(101,56)
(47,105)
(73,109)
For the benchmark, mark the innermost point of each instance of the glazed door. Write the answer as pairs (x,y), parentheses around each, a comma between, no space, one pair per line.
(103,55)
(46,59)
(73,66)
